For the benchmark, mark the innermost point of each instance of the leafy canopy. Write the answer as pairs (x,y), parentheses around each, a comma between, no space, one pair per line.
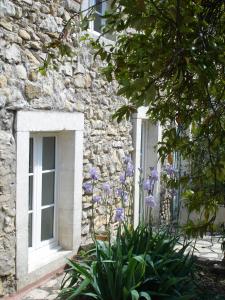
(169,56)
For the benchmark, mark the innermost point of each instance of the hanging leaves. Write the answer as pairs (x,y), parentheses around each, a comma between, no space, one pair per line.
(169,56)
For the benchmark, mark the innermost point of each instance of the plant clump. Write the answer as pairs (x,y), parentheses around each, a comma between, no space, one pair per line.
(139,264)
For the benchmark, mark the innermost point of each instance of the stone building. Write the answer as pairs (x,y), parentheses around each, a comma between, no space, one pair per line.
(53,129)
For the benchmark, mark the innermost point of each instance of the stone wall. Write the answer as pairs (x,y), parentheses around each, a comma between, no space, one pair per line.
(26,26)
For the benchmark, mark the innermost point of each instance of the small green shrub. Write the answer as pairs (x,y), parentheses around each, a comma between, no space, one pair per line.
(140,264)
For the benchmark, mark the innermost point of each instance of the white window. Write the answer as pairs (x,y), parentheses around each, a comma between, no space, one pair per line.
(100,9)
(42,213)
(48,191)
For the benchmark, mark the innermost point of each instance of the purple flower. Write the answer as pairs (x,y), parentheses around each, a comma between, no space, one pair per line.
(93,173)
(87,186)
(130,169)
(147,185)
(150,201)
(122,178)
(123,194)
(127,159)
(106,187)
(119,192)
(170,170)
(96,199)
(119,217)
(154,175)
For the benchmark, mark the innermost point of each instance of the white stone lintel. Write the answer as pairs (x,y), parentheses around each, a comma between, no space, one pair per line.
(35,121)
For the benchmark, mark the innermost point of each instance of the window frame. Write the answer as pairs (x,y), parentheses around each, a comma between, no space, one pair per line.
(92,22)
(86,4)
(69,127)
(37,244)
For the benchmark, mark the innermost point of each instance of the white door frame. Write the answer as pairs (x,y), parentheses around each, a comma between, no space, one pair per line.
(137,120)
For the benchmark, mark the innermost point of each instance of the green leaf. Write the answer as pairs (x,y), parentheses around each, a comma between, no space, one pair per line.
(92,295)
(145,295)
(43,71)
(81,268)
(134,295)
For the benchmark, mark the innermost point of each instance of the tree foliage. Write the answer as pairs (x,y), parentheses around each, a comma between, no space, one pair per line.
(169,56)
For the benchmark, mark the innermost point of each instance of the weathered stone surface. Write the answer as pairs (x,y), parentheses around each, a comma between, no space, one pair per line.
(85,230)
(19,12)
(24,34)
(6,122)
(72,5)
(32,59)
(7,8)
(13,38)
(49,24)
(34,45)
(9,211)
(12,54)
(67,69)
(80,69)
(2,101)
(6,264)
(15,100)
(21,72)
(32,91)
(79,81)
(7,238)
(1,289)
(6,25)
(33,75)
(77,85)
(88,81)
(8,225)
(30,2)
(3,81)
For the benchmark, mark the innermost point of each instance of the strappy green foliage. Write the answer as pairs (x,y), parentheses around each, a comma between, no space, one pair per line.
(140,264)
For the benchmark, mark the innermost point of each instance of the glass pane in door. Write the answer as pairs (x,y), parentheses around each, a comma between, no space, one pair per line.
(30,226)
(98,6)
(47,223)
(48,153)
(30,192)
(97,22)
(31,155)
(48,186)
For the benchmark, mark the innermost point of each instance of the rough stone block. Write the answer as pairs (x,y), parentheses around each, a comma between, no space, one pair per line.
(6,25)
(79,81)
(1,289)
(7,264)
(49,24)
(32,59)
(24,34)
(21,72)
(32,91)
(7,8)
(30,2)
(73,6)
(12,54)
(3,81)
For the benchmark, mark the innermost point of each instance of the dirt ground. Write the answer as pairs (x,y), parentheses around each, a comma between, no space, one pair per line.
(210,277)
